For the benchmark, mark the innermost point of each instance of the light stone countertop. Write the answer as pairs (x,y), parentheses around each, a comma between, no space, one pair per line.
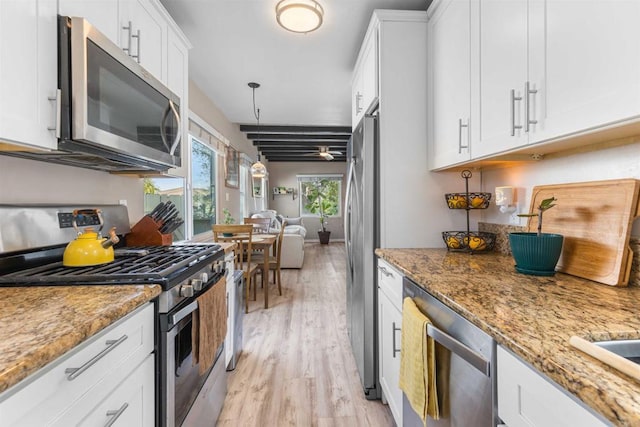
(534,317)
(41,323)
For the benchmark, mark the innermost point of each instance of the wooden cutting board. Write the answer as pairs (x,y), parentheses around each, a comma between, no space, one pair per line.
(595,219)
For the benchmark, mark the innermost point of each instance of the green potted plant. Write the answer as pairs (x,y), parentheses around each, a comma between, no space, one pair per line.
(228,219)
(320,203)
(537,253)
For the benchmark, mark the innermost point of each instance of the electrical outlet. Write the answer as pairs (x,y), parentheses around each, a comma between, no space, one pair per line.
(514,219)
(123,202)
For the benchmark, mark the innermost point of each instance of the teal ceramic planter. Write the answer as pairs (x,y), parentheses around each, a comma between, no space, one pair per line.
(536,255)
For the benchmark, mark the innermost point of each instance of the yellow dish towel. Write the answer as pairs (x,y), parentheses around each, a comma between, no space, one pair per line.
(418,362)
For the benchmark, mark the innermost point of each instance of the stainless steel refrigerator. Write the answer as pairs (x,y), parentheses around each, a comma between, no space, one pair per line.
(361,238)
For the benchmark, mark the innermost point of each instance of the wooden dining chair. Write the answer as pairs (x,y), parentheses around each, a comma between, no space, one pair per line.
(261,225)
(241,235)
(273,260)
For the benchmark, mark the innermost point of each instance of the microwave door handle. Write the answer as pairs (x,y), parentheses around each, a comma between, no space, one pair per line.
(179,132)
(163,131)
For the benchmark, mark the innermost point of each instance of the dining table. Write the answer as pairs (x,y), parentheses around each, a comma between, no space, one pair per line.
(259,242)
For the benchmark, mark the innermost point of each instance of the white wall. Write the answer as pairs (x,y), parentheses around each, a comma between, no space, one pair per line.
(612,163)
(283,174)
(30,181)
(201,105)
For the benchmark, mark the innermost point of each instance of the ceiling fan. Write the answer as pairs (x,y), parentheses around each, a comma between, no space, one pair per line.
(324,153)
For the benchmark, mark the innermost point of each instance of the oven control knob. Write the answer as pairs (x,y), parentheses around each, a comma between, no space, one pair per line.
(186,291)
(204,277)
(196,284)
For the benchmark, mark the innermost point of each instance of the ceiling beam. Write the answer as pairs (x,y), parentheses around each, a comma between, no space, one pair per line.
(297,137)
(304,159)
(309,144)
(296,129)
(287,149)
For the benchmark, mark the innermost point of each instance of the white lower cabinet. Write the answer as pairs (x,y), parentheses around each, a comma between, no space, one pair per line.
(389,324)
(527,399)
(111,374)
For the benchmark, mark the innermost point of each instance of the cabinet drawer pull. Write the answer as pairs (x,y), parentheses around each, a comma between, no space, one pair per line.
(527,106)
(73,373)
(58,100)
(460,126)
(514,98)
(115,415)
(128,29)
(137,37)
(385,272)
(393,340)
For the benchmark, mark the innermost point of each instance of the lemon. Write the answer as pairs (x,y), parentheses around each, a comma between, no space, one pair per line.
(452,242)
(457,202)
(477,244)
(476,202)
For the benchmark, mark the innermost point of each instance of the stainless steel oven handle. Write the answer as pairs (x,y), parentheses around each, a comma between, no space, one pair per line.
(472,357)
(177,317)
(73,373)
(115,415)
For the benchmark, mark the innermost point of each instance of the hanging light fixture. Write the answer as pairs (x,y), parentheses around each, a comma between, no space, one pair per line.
(299,16)
(258,170)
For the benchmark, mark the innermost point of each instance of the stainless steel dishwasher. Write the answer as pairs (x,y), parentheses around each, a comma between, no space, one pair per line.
(465,367)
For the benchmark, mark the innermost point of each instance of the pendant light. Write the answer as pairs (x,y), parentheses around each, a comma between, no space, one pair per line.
(299,16)
(258,170)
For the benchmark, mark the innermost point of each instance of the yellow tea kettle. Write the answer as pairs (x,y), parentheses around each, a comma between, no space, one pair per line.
(89,248)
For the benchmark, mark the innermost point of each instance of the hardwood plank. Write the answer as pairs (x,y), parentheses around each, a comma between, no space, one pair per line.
(297,368)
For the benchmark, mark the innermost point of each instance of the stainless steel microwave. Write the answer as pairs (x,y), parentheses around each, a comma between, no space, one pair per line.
(112,110)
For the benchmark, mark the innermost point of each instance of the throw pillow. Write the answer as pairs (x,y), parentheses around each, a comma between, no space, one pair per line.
(294,221)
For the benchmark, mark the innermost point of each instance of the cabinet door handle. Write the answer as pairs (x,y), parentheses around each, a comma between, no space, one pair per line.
(58,100)
(527,106)
(358,99)
(114,415)
(386,272)
(73,373)
(393,340)
(460,126)
(137,37)
(128,29)
(514,98)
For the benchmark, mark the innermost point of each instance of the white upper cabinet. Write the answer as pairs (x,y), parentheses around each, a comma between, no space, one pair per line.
(449,82)
(542,72)
(102,14)
(28,77)
(144,35)
(585,63)
(365,80)
(501,75)
(137,26)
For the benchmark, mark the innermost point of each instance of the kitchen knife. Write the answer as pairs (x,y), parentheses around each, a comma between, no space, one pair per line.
(155,210)
(169,214)
(162,211)
(175,225)
(167,225)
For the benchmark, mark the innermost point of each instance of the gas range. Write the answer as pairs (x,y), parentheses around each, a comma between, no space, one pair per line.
(37,235)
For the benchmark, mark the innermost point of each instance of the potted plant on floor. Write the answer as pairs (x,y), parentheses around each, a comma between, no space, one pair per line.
(537,253)
(320,202)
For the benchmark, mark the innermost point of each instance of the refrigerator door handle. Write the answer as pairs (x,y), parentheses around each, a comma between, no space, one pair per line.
(347,217)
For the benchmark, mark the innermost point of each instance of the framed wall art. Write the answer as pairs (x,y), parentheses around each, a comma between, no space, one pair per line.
(232,168)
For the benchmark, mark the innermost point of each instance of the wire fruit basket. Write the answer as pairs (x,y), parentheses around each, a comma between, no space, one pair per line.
(468,241)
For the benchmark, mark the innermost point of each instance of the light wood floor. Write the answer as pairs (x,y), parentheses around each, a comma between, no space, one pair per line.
(297,368)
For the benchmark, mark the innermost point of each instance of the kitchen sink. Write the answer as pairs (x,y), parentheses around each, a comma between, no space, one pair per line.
(629,349)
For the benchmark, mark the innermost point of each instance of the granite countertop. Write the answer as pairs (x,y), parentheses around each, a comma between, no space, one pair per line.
(40,323)
(534,317)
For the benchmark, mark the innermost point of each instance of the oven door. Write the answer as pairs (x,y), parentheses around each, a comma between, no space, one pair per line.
(115,104)
(181,382)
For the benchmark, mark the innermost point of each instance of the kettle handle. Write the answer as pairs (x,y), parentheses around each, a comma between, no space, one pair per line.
(81,212)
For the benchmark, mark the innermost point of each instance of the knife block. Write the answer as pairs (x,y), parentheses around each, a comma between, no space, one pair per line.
(147,233)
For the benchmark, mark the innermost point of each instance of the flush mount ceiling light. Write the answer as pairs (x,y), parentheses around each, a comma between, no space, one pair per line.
(258,170)
(299,16)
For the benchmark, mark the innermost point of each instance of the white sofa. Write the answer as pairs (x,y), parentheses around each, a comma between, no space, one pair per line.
(293,239)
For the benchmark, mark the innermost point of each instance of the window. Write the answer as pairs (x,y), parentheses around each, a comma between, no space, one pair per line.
(158,190)
(320,194)
(203,182)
